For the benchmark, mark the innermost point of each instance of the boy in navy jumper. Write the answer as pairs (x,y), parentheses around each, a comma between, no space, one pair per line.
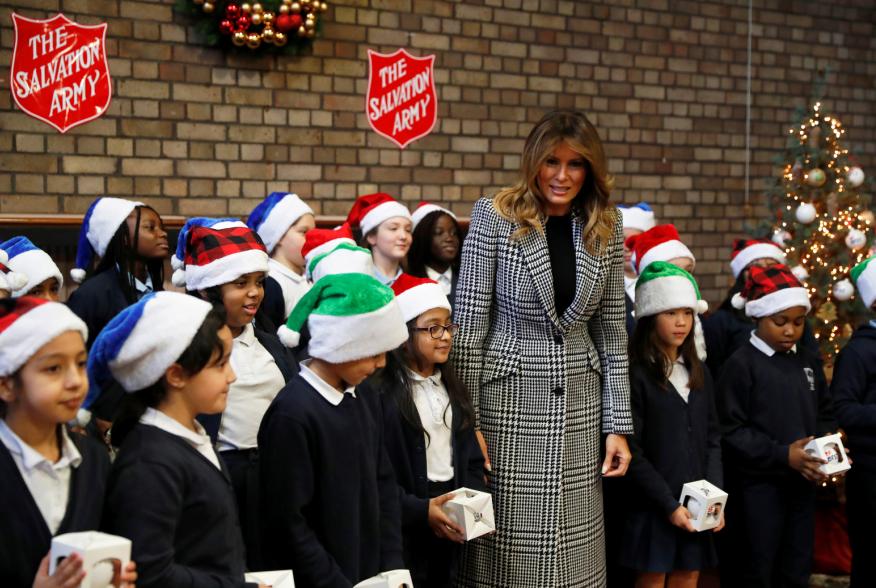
(330,505)
(854,393)
(772,401)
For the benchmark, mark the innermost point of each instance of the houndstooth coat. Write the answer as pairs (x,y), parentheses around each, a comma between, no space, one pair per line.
(544,389)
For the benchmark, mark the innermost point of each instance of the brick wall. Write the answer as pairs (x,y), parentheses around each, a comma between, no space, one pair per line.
(193,130)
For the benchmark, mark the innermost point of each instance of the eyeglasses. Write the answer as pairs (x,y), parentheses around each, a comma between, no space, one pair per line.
(437,331)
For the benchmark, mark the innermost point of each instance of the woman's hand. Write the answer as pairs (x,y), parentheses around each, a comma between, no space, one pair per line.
(68,574)
(488,467)
(617,456)
(441,524)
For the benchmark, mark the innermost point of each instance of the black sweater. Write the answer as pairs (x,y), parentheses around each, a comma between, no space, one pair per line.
(854,394)
(561,248)
(675,442)
(766,403)
(330,508)
(24,536)
(178,510)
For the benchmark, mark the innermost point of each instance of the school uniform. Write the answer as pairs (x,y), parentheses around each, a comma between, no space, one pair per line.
(854,394)
(273,306)
(446,279)
(329,501)
(172,496)
(449,459)
(386,280)
(677,440)
(292,285)
(42,499)
(766,401)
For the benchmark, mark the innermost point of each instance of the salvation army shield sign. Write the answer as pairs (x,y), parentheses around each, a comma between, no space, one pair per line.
(59,71)
(402,104)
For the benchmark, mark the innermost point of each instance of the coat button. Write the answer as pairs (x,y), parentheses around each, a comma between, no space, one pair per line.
(558,390)
(558,339)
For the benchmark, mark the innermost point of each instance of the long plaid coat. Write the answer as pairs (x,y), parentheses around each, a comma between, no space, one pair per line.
(544,388)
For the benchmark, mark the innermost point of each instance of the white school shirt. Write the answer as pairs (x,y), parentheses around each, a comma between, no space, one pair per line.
(48,483)
(680,378)
(259,380)
(445,280)
(764,347)
(630,287)
(436,415)
(197,438)
(326,390)
(292,285)
(385,280)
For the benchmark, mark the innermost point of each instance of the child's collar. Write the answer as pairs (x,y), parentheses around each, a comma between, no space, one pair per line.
(765,347)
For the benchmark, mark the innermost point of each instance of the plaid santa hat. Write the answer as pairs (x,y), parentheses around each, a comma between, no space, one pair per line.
(177,260)
(333,251)
(274,215)
(33,263)
(770,290)
(660,243)
(417,295)
(663,286)
(99,226)
(218,256)
(864,276)
(424,209)
(349,316)
(371,210)
(28,323)
(747,250)
(10,280)
(138,345)
(639,216)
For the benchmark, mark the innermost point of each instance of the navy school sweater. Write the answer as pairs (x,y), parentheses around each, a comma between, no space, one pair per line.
(675,442)
(854,394)
(178,510)
(765,404)
(24,536)
(330,508)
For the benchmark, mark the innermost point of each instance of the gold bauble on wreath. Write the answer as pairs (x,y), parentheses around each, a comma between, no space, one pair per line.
(268,35)
(280,39)
(253,40)
(239,38)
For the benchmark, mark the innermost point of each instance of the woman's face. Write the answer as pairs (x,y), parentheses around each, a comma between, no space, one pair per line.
(242,298)
(152,238)
(560,178)
(392,239)
(445,240)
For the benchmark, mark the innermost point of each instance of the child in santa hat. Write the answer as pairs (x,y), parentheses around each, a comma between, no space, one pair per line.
(53,480)
(43,278)
(772,400)
(384,226)
(436,248)
(636,220)
(10,281)
(330,504)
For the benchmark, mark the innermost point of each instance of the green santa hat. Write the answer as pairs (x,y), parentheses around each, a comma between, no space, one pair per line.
(864,275)
(350,316)
(663,286)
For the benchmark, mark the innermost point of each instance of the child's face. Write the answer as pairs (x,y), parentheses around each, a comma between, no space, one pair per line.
(4,293)
(445,240)
(289,247)
(392,239)
(353,373)
(673,327)
(782,330)
(152,239)
(207,390)
(426,349)
(51,386)
(628,253)
(242,299)
(48,289)
(685,263)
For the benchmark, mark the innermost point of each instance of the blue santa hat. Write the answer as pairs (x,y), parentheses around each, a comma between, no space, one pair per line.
(177,260)
(274,215)
(102,220)
(29,260)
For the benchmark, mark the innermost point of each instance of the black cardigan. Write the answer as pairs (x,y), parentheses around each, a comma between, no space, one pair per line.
(854,393)
(24,536)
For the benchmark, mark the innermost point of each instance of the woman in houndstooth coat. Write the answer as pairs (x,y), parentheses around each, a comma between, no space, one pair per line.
(543,350)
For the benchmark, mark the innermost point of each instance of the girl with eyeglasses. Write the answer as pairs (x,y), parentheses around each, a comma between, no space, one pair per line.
(428,431)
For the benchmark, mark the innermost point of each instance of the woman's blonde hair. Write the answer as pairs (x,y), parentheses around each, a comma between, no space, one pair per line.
(522,202)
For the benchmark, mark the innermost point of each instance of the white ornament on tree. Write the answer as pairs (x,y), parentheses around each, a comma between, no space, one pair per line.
(855,239)
(855,177)
(800,272)
(843,290)
(780,237)
(806,213)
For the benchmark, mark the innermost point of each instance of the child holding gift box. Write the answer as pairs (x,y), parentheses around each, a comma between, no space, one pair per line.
(330,505)
(429,431)
(384,226)
(168,491)
(854,392)
(772,401)
(53,481)
(676,431)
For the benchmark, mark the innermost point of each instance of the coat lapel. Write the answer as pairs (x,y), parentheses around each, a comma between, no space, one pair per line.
(586,273)
(534,248)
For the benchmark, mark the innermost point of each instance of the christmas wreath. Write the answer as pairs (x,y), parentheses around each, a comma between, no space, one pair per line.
(280,25)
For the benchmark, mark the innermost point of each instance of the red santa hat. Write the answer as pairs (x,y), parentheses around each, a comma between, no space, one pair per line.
(747,250)
(371,210)
(424,209)
(28,323)
(661,243)
(417,295)
(318,241)
(770,290)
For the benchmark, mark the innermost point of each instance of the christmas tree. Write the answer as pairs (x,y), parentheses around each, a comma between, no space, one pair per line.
(821,218)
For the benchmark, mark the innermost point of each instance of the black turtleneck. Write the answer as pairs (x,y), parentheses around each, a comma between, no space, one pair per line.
(561,249)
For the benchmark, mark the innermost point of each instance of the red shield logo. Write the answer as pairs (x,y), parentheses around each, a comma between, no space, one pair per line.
(402,104)
(59,70)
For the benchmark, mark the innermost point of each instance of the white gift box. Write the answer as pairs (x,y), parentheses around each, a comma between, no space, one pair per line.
(275,579)
(99,552)
(390,579)
(471,510)
(705,502)
(829,447)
